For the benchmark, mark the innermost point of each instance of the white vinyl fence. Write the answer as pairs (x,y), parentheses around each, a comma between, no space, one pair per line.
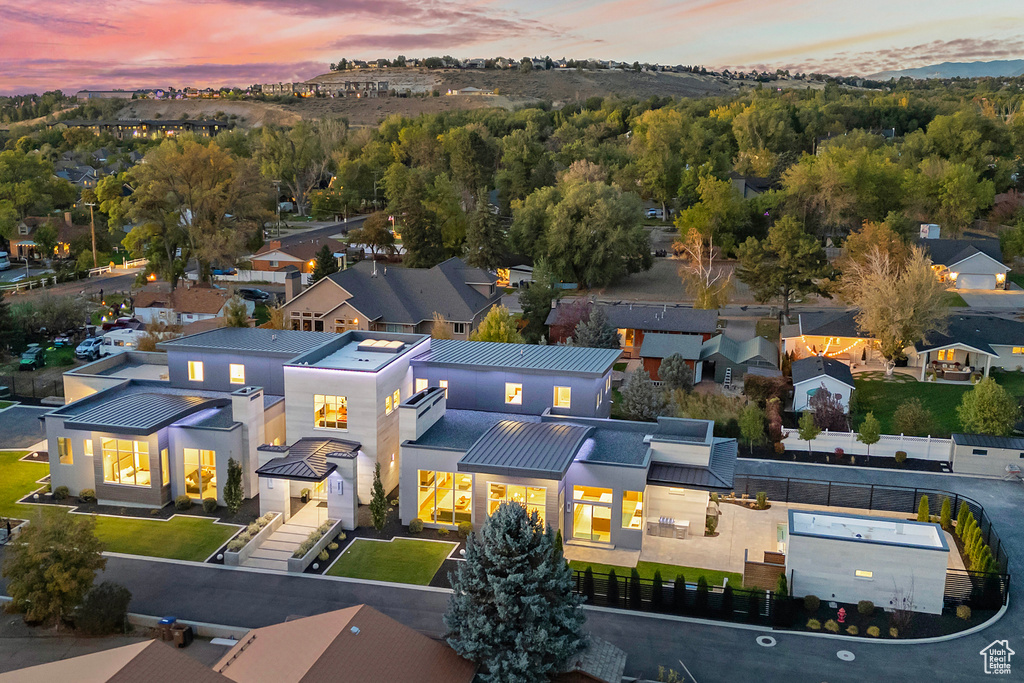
(271,276)
(920,447)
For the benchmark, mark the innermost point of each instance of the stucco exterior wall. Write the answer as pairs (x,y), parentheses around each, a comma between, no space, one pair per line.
(989,462)
(617,478)
(81,473)
(261,370)
(225,444)
(413,459)
(681,504)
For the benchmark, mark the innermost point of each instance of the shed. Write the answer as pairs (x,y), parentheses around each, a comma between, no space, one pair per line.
(986,455)
(656,347)
(727,360)
(810,374)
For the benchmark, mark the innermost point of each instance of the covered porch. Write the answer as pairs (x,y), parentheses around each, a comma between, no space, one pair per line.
(954,362)
(322,471)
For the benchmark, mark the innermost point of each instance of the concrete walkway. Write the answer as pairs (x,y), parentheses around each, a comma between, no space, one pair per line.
(274,552)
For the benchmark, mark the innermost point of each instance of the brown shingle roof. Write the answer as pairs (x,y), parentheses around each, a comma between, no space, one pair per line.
(184,300)
(304,250)
(360,641)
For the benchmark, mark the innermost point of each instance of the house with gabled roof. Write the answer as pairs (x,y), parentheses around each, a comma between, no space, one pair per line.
(184,305)
(300,255)
(968,263)
(372,296)
(813,373)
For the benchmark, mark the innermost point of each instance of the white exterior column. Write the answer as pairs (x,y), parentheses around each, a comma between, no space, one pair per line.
(988,364)
(924,364)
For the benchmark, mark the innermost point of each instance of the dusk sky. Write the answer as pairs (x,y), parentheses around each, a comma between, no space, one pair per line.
(70,44)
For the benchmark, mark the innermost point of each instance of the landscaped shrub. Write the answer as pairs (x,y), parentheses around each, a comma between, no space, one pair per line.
(727,602)
(314,537)
(634,589)
(812,603)
(323,556)
(961,518)
(946,514)
(900,457)
(209,504)
(779,448)
(61,492)
(963,612)
(465,529)
(701,600)
(394,502)
(104,610)
(762,500)
(154,512)
(332,546)
(922,509)
(679,594)
(267,518)
(416,526)
(443,531)
(710,524)
(613,589)
(588,585)
(657,591)
(832,626)
(814,624)
(87,496)
(254,528)
(839,453)
(238,542)
(754,602)
(894,632)
(782,587)
(852,630)
(182,503)
(874,631)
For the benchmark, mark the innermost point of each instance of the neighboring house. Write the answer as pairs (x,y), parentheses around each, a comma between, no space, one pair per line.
(968,263)
(371,296)
(750,186)
(849,558)
(633,321)
(970,343)
(810,374)
(23,245)
(657,347)
(80,176)
(147,660)
(727,361)
(126,129)
(184,305)
(301,255)
(991,456)
(834,334)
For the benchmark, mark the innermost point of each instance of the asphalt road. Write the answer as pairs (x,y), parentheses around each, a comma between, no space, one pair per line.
(709,652)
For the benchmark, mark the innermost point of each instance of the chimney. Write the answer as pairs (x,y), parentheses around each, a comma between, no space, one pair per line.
(292,285)
(275,244)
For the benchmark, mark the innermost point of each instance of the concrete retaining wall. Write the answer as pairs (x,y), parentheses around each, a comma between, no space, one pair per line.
(233,559)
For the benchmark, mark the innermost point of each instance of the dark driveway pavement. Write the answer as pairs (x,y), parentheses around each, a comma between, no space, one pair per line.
(20,426)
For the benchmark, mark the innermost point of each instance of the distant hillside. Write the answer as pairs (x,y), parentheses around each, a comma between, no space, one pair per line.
(1005,67)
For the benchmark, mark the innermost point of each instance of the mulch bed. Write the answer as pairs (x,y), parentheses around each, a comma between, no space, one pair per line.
(822,458)
(921,625)
(36,456)
(249,511)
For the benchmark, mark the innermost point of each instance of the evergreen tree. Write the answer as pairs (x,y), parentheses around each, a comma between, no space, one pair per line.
(536,303)
(612,594)
(485,240)
(675,373)
(233,487)
(727,602)
(378,501)
(499,325)
(923,514)
(235,313)
(782,587)
(988,408)
(634,589)
(701,601)
(679,594)
(641,400)
(946,513)
(595,332)
(513,610)
(657,591)
(588,584)
(961,518)
(323,265)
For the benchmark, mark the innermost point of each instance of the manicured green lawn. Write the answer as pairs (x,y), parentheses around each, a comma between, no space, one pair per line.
(619,367)
(6,404)
(181,538)
(954,300)
(669,572)
(882,396)
(403,560)
(17,479)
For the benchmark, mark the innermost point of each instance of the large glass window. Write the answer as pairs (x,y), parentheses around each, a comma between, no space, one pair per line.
(445,497)
(200,473)
(563,397)
(421,384)
(87,447)
(64,451)
(195,370)
(165,469)
(237,372)
(330,412)
(396,398)
(444,385)
(126,462)
(592,513)
(513,393)
(632,509)
(387,405)
(532,497)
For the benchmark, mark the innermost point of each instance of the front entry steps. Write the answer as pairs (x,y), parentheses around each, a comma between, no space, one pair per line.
(274,552)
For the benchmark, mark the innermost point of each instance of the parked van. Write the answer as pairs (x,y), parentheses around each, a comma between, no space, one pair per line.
(118,341)
(5,261)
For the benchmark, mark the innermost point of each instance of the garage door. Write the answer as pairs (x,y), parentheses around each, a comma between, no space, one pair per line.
(975,281)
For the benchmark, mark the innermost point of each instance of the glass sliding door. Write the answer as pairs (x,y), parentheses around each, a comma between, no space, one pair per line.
(445,497)
(200,473)
(592,514)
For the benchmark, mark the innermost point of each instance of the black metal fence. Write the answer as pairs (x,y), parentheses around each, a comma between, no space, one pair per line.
(24,385)
(871,497)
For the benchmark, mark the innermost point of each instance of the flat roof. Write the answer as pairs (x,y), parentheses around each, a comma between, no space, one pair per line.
(530,357)
(360,351)
(525,449)
(251,340)
(865,529)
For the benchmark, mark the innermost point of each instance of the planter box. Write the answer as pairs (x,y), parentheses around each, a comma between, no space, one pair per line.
(299,564)
(233,559)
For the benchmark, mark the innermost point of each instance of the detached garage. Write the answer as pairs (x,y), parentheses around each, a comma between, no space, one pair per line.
(975,281)
(968,264)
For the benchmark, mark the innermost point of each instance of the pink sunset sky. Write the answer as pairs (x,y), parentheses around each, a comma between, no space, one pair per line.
(71,44)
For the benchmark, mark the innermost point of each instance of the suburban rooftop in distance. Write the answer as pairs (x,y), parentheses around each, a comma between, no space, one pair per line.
(864,529)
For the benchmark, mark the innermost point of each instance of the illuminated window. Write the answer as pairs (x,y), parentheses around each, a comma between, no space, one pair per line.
(632,509)
(64,451)
(237,372)
(445,497)
(592,513)
(126,462)
(195,370)
(600,398)
(513,393)
(387,405)
(563,397)
(396,398)
(200,473)
(942,354)
(533,498)
(863,574)
(444,385)
(421,384)
(87,447)
(608,383)
(330,412)
(1018,350)
(165,469)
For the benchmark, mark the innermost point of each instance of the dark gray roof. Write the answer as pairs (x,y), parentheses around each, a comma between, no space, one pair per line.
(252,340)
(717,475)
(949,252)
(459,429)
(412,295)
(306,459)
(1015,443)
(740,352)
(140,413)
(664,318)
(617,447)
(561,359)
(818,366)
(525,449)
(977,331)
(831,324)
(599,660)
(658,345)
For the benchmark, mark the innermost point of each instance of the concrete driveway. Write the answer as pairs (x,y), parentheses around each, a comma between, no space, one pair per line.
(993,299)
(20,426)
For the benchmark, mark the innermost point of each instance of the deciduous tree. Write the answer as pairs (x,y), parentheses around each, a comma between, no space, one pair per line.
(912,418)
(499,325)
(752,425)
(828,410)
(235,313)
(535,301)
(988,409)
(709,285)
(375,234)
(441,328)
(807,429)
(870,431)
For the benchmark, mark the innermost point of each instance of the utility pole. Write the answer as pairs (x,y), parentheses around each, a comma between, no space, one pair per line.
(277,203)
(92,228)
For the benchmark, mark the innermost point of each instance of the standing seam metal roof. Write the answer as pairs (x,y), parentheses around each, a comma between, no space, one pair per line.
(527,449)
(252,339)
(519,356)
(660,345)
(141,413)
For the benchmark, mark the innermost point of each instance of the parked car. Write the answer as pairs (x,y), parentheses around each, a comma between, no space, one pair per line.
(5,261)
(655,213)
(224,271)
(89,349)
(32,358)
(62,340)
(122,324)
(250,294)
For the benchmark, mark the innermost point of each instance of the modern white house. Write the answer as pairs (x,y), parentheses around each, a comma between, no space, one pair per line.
(810,374)
(849,558)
